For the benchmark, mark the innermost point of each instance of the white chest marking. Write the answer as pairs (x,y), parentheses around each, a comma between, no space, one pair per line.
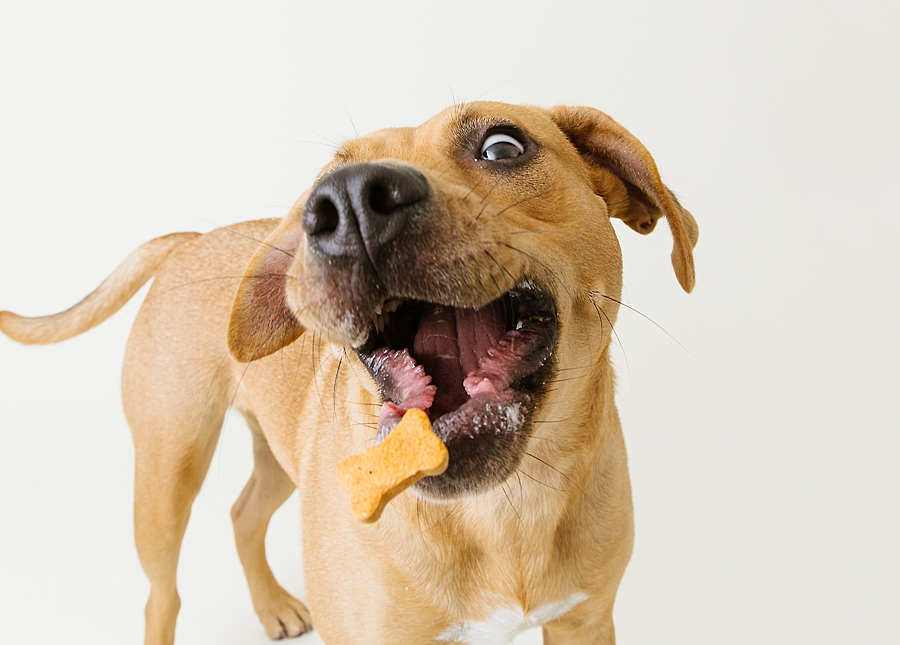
(508,622)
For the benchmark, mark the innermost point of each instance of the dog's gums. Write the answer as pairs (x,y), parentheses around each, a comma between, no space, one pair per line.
(466,368)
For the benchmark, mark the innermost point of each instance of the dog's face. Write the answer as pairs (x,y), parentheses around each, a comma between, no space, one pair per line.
(463,262)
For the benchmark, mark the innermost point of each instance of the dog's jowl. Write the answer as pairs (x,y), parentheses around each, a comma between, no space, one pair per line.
(467,267)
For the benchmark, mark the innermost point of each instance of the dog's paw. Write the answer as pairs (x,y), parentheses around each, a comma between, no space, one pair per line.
(284,616)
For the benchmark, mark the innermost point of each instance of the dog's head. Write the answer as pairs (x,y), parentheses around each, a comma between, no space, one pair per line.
(465,263)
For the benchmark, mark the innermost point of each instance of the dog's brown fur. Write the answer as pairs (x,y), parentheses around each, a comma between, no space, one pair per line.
(562,525)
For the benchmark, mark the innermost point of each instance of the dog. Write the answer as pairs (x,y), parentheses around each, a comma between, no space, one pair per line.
(467,267)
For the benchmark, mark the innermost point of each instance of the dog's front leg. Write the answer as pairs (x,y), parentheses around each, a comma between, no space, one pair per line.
(583,626)
(281,614)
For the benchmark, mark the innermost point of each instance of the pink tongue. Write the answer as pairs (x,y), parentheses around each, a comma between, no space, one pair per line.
(450,343)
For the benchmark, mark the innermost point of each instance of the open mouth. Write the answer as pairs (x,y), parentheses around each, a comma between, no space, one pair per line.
(475,372)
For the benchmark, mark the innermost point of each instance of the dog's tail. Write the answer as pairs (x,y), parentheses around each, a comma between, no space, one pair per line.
(105,300)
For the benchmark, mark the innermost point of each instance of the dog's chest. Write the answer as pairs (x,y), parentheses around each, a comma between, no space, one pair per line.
(505,623)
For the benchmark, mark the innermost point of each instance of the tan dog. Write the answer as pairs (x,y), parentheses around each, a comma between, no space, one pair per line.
(467,267)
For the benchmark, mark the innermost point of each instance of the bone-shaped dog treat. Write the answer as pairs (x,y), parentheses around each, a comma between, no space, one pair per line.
(410,452)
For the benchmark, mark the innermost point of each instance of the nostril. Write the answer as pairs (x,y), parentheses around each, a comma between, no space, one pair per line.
(383,200)
(322,217)
(357,209)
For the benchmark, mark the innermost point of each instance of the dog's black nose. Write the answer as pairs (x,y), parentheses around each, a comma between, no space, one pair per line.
(361,207)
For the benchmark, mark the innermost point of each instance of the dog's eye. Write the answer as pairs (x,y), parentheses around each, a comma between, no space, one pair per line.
(501,146)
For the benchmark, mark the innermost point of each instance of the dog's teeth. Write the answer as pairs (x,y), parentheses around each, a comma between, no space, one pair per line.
(519,325)
(392,306)
(378,308)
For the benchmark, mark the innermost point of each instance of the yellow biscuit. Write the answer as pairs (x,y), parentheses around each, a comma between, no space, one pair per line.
(410,452)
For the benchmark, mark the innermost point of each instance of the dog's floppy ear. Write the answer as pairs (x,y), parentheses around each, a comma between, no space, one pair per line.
(261,321)
(604,143)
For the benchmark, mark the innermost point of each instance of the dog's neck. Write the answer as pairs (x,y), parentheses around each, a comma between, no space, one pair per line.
(475,546)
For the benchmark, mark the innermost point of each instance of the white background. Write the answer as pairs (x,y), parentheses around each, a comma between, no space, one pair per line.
(764,455)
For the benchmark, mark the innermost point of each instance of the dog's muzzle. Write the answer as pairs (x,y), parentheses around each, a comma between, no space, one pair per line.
(478,372)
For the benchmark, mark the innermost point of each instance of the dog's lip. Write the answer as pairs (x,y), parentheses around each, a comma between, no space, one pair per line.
(509,340)
(380,313)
